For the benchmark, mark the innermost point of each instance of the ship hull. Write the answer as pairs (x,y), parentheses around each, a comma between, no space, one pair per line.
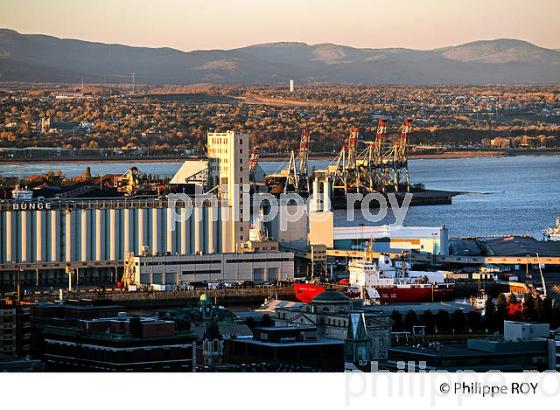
(390,294)
(306,292)
(406,294)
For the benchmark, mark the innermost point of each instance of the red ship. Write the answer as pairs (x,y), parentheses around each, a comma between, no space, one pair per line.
(378,281)
(305,292)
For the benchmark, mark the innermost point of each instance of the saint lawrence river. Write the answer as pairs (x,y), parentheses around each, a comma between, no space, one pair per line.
(510,195)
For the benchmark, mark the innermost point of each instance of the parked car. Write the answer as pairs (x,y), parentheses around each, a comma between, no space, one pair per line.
(248,284)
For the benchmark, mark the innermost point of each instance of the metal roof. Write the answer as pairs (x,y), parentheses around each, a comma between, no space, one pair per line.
(522,246)
(385,231)
(188,169)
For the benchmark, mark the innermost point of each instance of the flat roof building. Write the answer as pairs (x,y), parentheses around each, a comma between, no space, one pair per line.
(521,246)
(475,355)
(289,348)
(223,267)
(524,346)
(386,238)
(120,343)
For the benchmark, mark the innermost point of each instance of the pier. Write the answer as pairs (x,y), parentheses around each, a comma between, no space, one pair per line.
(454,259)
(252,295)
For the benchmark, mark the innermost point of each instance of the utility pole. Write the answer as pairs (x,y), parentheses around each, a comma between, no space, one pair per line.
(312,263)
(542,276)
(69,272)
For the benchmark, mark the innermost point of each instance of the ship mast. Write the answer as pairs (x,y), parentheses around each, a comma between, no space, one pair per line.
(303,161)
(253,162)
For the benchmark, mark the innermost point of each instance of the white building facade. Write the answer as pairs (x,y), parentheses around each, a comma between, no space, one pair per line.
(228,174)
(225,267)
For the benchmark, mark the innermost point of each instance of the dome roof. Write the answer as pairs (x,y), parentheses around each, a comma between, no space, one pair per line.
(331,296)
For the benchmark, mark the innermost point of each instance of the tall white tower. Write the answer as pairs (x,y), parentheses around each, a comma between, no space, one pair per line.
(228,168)
(291,86)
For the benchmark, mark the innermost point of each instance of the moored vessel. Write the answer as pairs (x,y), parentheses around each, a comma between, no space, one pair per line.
(552,233)
(19,194)
(305,292)
(380,281)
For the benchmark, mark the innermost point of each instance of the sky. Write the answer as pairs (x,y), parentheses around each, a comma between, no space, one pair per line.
(225,24)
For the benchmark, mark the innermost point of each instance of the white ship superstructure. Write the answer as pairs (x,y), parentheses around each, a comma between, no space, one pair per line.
(553,233)
(19,194)
(382,281)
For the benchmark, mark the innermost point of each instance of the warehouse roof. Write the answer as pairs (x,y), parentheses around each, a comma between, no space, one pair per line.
(522,246)
(367,232)
(189,171)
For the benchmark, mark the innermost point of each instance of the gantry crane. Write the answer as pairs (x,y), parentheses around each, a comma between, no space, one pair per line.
(346,171)
(381,167)
(296,176)
(253,162)
(303,161)
(401,162)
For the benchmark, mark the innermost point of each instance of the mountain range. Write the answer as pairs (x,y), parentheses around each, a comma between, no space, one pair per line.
(42,58)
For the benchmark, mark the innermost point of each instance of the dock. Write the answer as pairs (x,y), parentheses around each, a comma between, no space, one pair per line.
(229,296)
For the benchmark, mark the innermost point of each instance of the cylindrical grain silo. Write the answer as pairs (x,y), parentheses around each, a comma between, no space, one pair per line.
(55,232)
(69,235)
(197,219)
(212,228)
(156,231)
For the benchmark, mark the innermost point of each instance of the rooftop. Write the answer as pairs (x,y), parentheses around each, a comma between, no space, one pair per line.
(323,341)
(422,307)
(367,232)
(522,246)
(331,296)
(474,347)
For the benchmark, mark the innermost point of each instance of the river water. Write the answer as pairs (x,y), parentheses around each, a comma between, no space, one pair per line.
(510,195)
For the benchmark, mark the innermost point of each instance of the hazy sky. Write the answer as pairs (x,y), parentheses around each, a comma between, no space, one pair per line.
(210,24)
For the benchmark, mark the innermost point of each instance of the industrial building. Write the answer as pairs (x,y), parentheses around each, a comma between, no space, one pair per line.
(228,173)
(41,240)
(220,267)
(387,238)
(104,230)
(191,172)
(318,228)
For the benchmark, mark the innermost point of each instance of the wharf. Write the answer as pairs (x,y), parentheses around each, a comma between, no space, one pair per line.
(147,299)
(426,197)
